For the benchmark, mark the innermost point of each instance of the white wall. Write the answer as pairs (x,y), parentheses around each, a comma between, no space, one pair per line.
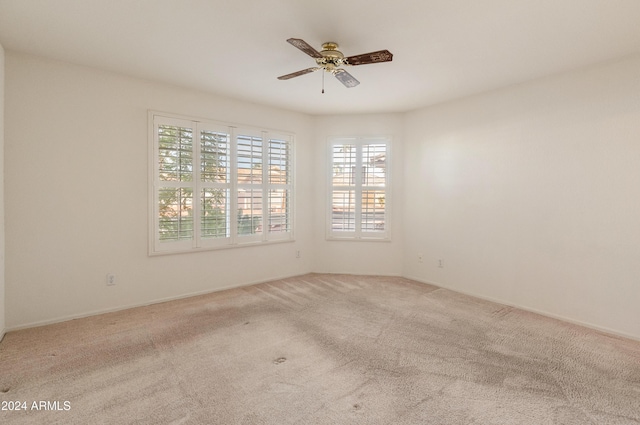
(76,194)
(2,291)
(381,258)
(530,195)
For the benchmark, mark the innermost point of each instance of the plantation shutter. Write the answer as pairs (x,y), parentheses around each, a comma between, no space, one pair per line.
(249,178)
(215,185)
(358,189)
(279,186)
(174,184)
(374,189)
(344,197)
(215,155)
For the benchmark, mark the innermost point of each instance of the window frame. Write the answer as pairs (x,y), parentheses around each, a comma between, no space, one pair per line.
(233,239)
(358,234)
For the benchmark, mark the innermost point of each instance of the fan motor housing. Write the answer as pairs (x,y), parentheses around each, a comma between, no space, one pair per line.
(331,58)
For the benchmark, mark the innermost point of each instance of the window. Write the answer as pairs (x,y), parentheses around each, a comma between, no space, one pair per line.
(216,185)
(359,190)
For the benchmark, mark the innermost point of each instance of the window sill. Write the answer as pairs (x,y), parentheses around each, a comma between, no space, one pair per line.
(354,239)
(218,248)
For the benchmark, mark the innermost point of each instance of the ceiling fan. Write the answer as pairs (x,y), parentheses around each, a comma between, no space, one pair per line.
(331,59)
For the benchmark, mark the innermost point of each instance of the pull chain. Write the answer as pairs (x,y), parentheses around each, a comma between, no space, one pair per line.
(323,81)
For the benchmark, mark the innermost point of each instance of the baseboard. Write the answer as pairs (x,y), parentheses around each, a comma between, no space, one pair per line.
(2,334)
(352,273)
(589,325)
(142,304)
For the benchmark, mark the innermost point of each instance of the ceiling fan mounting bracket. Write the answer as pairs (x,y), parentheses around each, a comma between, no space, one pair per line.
(330,45)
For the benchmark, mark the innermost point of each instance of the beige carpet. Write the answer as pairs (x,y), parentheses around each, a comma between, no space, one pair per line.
(320,349)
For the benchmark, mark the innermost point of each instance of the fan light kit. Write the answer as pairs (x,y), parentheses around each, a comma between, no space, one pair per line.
(331,59)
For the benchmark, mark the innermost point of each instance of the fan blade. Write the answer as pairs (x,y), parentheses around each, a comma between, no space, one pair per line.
(305,47)
(298,73)
(373,57)
(345,78)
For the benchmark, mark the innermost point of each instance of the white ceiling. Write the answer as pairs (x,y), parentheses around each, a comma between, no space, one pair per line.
(443,49)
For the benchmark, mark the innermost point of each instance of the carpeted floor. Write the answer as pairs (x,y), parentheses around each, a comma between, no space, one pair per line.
(320,349)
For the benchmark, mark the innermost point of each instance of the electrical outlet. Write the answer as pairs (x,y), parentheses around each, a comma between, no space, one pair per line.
(441,264)
(420,258)
(111,279)
(297,254)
